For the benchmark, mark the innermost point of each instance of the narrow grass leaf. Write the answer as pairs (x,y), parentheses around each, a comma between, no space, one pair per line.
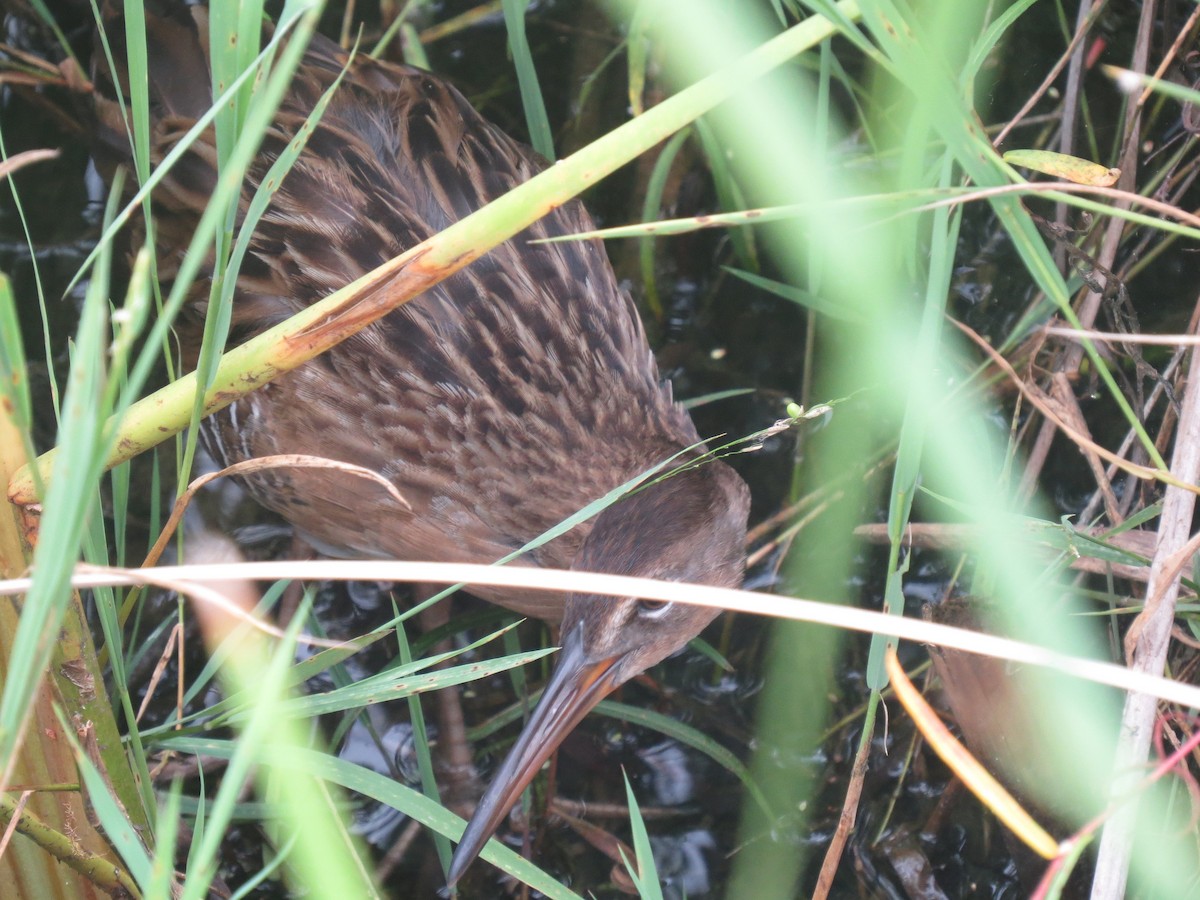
(166,843)
(69,499)
(651,210)
(642,872)
(115,823)
(424,752)
(799,296)
(531,92)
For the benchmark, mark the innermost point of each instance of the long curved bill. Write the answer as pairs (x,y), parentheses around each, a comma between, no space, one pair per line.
(576,686)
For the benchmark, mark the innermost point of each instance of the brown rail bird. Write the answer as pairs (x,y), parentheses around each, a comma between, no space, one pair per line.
(499,403)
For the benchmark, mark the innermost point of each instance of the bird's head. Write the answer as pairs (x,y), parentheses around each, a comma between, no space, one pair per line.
(690,527)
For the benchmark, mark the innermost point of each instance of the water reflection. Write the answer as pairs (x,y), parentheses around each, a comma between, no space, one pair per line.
(389,752)
(671,775)
(682,863)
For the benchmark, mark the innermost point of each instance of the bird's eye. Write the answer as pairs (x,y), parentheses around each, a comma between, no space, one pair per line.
(652,609)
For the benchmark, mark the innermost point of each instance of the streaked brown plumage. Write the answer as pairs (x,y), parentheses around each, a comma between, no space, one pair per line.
(499,403)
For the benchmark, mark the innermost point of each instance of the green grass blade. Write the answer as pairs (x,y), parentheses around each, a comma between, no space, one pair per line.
(643,874)
(531,92)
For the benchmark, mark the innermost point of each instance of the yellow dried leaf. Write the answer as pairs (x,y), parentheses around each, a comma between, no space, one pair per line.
(1060,165)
